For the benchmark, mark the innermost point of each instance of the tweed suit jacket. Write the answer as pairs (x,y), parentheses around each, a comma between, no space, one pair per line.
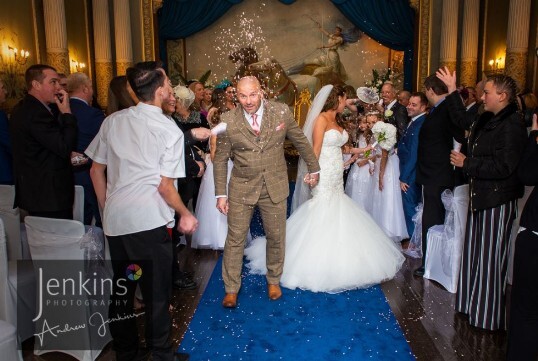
(258,159)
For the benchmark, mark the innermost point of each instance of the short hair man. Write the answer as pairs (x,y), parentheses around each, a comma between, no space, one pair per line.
(89,120)
(434,171)
(42,146)
(141,150)
(407,153)
(254,138)
(403,97)
(394,112)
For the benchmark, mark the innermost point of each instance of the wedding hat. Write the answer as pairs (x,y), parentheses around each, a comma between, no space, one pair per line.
(184,95)
(367,95)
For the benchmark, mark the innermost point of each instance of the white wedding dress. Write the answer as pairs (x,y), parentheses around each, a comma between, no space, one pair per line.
(332,245)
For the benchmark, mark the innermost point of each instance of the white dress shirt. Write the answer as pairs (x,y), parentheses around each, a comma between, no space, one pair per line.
(138,145)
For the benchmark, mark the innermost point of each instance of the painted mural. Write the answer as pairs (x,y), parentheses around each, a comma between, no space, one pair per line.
(304,45)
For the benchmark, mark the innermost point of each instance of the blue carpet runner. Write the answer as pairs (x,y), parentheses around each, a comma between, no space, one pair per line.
(302,325)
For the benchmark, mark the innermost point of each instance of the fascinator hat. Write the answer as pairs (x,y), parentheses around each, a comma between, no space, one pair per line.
(183,95)
(367,95)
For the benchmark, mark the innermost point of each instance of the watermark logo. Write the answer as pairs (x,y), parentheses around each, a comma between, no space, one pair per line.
(134,272)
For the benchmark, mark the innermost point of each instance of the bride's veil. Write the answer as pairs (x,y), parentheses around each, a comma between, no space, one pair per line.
(302,190)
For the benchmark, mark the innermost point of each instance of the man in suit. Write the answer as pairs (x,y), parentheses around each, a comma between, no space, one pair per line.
(254,139)
(394,112)
(42,146)
(434,171)
(471,104)
(407,153)
(89,121)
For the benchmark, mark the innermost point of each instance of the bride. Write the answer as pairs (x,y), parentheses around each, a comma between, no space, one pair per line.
(332,245)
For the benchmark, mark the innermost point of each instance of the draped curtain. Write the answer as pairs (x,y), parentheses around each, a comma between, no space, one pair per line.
(390,22)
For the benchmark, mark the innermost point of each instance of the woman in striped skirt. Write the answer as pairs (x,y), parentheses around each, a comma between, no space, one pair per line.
(495,145)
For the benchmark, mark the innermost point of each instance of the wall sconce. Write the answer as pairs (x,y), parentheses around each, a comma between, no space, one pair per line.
(77,66)
(21,56)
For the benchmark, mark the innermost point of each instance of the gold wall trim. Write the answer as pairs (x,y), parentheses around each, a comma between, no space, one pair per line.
(36,33)
(424,42)
(121,67)
(103,75)
(450,64)
(468,72)
(516,67)
(59,61)
(147,25)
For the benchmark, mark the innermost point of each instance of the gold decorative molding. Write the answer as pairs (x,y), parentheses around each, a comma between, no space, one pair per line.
(121,67)
(450,64)
(103,75)
(415,4)
(59,61)
(516,67)
(157,4)
(423,42)
(147,25)
(468,72)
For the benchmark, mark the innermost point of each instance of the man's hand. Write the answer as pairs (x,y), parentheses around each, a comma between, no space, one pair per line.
(457,158)
(447,78)
(222,205)
(187,224)
(311,179)
(535,123)
(62,101)
(201,133)
(404,186)
(202,168)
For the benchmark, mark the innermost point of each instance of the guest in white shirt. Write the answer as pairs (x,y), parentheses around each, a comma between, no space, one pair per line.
(142,152)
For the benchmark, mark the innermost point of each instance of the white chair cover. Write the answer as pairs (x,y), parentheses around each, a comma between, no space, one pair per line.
(78,204)
(59,239)
(17,289)
(414,249)
(12,223)
(8,342)
(445,242)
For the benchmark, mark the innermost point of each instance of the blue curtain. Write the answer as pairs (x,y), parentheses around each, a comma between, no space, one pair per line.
(390,22)
(181,18)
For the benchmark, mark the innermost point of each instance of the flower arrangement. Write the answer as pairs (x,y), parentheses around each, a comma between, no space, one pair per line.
(384,134)
(379,78)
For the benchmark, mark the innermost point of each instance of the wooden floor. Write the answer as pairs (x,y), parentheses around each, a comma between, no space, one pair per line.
(424,310)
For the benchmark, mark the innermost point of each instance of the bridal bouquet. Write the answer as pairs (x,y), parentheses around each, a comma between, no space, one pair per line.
(385,136)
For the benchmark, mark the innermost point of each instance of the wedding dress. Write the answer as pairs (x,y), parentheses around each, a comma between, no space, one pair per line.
(332,245)
(360,183)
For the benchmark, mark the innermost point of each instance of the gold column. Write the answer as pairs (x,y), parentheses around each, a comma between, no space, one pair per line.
(449,34)
(103,53)
(469,42)
(147,15)
(56,35)
(517,40)
(423,52)
(122,30)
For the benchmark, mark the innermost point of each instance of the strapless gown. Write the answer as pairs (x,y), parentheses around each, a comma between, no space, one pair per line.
(332,245)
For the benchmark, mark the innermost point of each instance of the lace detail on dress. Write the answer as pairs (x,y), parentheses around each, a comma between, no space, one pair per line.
(332,164)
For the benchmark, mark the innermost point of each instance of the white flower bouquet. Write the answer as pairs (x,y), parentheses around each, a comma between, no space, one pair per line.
(384,134)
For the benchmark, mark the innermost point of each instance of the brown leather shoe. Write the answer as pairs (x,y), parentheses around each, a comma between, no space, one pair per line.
(230,300)
(274,292)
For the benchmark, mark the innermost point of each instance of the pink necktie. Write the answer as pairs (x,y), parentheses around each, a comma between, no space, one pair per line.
(255,125)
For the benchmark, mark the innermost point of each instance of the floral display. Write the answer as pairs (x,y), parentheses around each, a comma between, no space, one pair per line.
(379,78)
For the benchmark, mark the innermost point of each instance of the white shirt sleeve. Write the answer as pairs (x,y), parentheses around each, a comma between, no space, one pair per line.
(173,160)
(97,150)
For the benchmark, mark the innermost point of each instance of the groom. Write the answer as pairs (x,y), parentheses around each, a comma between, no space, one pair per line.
(254,140)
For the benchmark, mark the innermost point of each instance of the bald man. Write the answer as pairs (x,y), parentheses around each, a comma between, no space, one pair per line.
(254,139)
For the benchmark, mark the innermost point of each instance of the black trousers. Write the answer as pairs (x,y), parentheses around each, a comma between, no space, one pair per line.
(433,212)
(150,250)
(523,327)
